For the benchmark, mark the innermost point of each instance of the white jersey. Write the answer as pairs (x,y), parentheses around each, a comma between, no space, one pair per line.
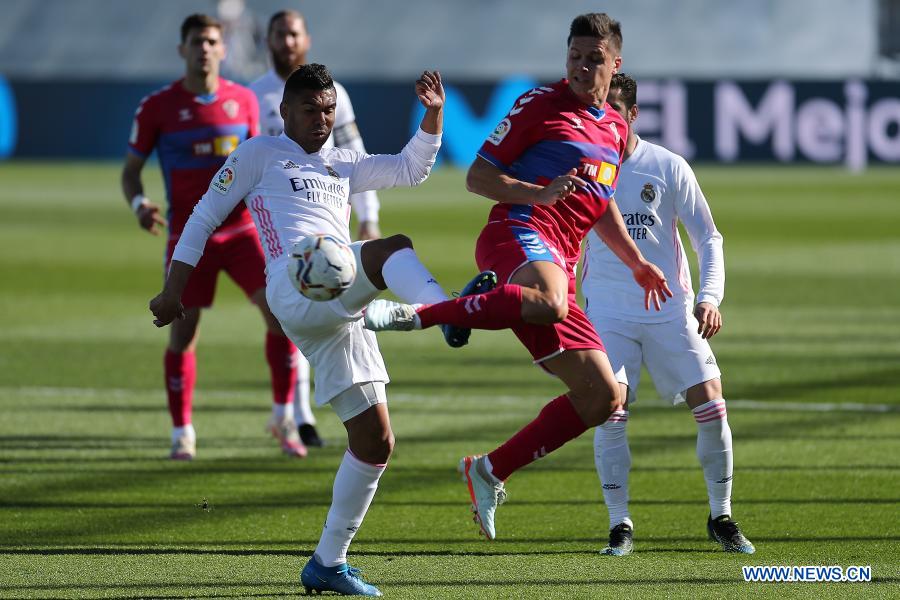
(292,194)
(656,189)
(269,89)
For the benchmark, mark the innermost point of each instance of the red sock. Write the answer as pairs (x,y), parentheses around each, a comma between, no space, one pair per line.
(282,358)
(556,424)
(181,373)
(501,308)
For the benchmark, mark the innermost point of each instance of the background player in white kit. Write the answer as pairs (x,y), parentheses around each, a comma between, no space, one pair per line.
(288,41)
(295,187)
(656,190)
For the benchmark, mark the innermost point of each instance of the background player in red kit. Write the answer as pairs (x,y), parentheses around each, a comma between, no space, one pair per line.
(551,165)
(194,124)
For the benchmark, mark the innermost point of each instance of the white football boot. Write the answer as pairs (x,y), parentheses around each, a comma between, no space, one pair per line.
(184,447)
(285,431)
(486,492)
(385,315)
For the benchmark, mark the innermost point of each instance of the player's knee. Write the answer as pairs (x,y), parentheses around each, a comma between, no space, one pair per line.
(398,242)
(383,448)
(548,309)
(596,402)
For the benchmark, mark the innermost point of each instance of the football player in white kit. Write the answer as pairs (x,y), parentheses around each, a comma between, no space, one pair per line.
(656,190)
(288,41)
(296,187)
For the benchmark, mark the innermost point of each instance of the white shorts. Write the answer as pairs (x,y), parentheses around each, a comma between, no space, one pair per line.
(330,334)
(677,358)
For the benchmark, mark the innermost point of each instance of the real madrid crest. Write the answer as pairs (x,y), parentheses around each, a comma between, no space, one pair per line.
(332,172)
(648,193)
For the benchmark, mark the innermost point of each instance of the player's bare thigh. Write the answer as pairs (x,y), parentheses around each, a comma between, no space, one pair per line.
(704,392)
(593,389)
(545,291)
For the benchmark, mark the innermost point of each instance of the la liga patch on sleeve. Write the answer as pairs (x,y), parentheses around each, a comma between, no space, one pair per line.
(500,132)
(223,179)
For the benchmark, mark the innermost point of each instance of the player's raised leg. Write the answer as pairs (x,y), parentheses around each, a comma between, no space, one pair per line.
(714,450)
(504,307)
(392,263)
(180,369)
(592,387)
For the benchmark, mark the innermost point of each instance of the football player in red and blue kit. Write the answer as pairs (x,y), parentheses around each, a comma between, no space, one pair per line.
(551,166)
(194,124)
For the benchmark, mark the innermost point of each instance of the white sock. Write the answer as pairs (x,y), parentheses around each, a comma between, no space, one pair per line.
(406,276)
(612,458)
(714,452)
(354,488)
(283,411)
(187,430)
(302,410)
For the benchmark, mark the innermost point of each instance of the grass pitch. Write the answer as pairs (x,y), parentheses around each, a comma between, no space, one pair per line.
(90,507)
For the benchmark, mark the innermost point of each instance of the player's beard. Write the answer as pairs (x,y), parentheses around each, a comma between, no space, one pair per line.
(285,65)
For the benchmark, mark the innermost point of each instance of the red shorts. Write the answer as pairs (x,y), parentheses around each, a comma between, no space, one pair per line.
(238,254)
(504,247)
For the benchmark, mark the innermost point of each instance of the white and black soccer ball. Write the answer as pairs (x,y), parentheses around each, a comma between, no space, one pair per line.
(321,267)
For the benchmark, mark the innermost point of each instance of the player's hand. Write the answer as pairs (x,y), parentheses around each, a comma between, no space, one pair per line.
(430,90)
(166,309)
(651,278)
(368,230)
(709,319)
(560,188)
(149,217)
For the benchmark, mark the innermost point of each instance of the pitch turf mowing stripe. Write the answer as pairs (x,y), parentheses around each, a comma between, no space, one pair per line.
(740,404)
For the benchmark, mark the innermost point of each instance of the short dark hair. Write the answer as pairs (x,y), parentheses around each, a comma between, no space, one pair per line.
(198,21)
(598,25)
(627,87)
(312,76)
(281,14)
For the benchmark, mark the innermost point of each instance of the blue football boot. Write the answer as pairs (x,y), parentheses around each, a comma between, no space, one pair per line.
(343,579)
(457,337)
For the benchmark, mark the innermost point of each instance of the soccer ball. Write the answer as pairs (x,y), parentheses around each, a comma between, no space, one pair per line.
(321,267)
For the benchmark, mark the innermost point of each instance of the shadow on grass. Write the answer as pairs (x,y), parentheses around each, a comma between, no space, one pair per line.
(304,547)
(325,500)
(193,588)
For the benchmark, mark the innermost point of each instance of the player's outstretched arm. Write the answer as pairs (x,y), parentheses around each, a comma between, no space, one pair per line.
(166,306)
(611,229)
(147,213)
(488,180)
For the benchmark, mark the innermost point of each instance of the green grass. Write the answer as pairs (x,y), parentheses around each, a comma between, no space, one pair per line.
(89,507)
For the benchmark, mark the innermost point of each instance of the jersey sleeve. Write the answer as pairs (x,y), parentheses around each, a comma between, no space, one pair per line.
(231,184)
(145,127)
(692,209)
(519,129)
(411,167)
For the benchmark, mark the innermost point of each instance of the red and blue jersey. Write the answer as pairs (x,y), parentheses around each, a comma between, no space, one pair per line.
(193,136)
(547,133)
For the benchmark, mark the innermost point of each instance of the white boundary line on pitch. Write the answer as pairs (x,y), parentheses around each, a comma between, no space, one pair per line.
(740,404)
